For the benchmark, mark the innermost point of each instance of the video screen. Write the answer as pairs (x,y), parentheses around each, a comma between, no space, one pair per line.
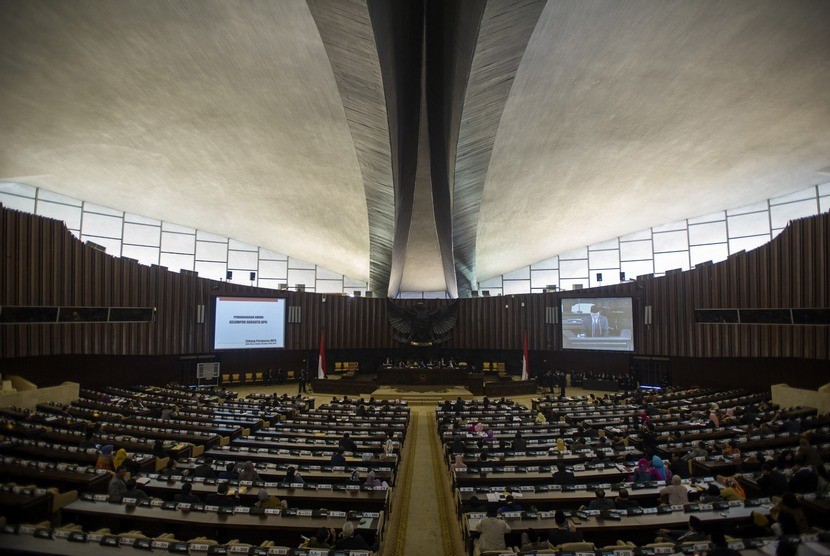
(249,323)
(598,323)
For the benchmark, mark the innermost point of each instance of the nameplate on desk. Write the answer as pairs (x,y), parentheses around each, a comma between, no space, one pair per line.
(100,497)
(664,550)
(237,549)
(241,510)
(198,547)
(649,511)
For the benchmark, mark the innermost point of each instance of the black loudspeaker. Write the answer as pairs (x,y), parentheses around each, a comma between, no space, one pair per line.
(229,275)
(622,276)
(599,276)
(253,276)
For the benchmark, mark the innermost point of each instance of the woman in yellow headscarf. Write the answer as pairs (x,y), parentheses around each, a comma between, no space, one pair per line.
(560,445)
(119,458)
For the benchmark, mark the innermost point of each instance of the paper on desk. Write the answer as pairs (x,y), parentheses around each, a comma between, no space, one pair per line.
(492,497)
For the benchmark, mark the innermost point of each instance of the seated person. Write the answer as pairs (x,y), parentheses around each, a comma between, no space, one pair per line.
(229,473)
(721,548)
(322,539)
(600,502)
(531,541)
(771,482)
(266,501)
(733,490)
(474,505)
(510,505)
(519,443)
(564,532)
(458,464)
(337,459)
(643,472)
(693,533)
(624,501)
(493,530)
(789,514)
(711,494)
(675,494)
(292,476)
(204,469)
(134,492)
(562,476)
(117,486)
(803,480)
(105,458)
(347,444)
(679,467)
(186,496)
(349,540)
(373,481)
(171,469)
(248,473)
(221,498)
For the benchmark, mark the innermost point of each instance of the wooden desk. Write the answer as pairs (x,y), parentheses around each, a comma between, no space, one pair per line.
(63,480)
(306,498)
(153,521)
(534,476)
(426,376)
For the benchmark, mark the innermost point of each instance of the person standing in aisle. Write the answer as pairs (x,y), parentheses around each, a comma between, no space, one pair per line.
(302,380)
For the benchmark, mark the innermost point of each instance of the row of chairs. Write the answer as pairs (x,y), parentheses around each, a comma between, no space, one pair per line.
(249,378)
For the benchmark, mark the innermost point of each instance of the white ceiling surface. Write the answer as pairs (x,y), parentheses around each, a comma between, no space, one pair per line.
(626,115)
(221,116)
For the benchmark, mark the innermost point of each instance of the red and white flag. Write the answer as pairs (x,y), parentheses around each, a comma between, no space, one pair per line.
(321,362)
(525,359)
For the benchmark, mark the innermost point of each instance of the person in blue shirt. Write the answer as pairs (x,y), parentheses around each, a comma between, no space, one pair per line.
(510,505)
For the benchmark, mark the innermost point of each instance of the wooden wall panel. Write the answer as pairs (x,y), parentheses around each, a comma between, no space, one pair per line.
(45,265)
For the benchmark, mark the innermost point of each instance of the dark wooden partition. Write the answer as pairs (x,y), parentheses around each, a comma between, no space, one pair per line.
(43,264)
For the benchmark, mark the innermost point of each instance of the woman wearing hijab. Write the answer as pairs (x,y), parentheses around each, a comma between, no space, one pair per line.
(459,463)
(489,436)
(658,470)
(642,473)
(105,458)
(119,458)
(560,445)
(266,501)
(372,480)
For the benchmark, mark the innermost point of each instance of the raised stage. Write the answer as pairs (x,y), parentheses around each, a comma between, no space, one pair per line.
(425,381)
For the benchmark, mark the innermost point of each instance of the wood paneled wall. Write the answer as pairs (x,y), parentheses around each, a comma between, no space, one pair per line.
(43,264)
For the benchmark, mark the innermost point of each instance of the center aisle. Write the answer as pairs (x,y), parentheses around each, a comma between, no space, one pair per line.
(431,526)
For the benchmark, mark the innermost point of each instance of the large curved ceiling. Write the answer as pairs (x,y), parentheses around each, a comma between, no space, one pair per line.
(300,125)
(221,116)
(626,115)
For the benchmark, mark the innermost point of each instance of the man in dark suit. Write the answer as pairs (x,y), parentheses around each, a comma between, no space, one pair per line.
(220,497)
(186,496)
(302,380)
(596,325)
(563,477)
(563,532)
(204,470)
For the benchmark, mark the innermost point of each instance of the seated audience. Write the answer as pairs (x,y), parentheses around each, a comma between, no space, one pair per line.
(229,474)
(458,464)
(562,476)
(564,532)
(600,502)
(203,470)
(347,444)
(643,472)
(248,472)
(679,466)
(789,514)
(693,533)
(659,472)
(493,530)
(105,458)
(349,540)
(322,539)
(519,443)
(292,476)
(675,494)
(771,482)
(134,492)
(186,496)
(510,505)
(531,541)
(624,501)
(266,501)
(221,498)
(117,486)
(337,459)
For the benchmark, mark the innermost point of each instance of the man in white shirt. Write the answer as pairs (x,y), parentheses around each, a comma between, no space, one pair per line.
(675,494)
(492,531)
